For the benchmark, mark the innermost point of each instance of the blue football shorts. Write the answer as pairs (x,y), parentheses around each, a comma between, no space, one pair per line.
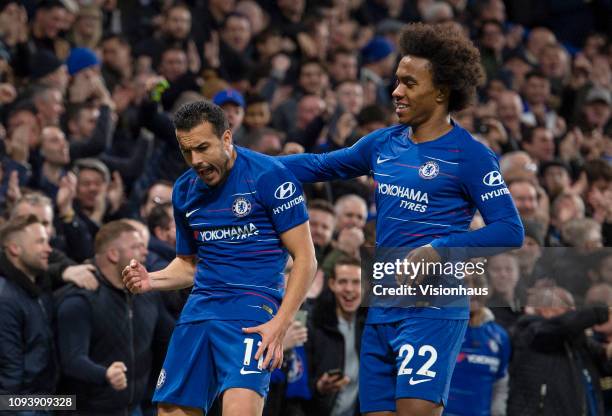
(206,358)
(413,358)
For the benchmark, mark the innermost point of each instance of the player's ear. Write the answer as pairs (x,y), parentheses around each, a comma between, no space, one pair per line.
(443,94)
(227,140)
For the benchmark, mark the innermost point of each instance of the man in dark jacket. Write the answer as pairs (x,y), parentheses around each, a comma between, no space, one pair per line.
(555,369)
(27,356)
(108,339)
(162,251)
(333,347)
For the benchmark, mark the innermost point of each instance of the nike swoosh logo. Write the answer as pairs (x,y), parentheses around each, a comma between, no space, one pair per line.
(245,372)
(188,214)
(413,382)
(379,160)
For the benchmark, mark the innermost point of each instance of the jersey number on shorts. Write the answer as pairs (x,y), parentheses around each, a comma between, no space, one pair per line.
(408,351)
(249,351)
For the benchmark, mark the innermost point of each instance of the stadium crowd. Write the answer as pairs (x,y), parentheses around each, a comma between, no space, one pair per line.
(89,156)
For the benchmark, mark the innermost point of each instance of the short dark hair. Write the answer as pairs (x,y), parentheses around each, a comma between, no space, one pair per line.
(73,111)
(159,217)
(236,15)
(255,99)
(598,169)
(529,132)
(193,114)
(115,36)
(322,205)
(535,73)
(333,55)
(16,225)
(110,232)
(372,113)
(344,260)
(455,61)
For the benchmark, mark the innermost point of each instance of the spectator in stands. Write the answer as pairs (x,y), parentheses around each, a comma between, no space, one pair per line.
(257,114)
(163,236)
(333,345)
(175,33)
(555,370)
(109,340)
(265,140)
(96,198)
(342,66)
(565,208)
(46,27)
(56,158)
(539,143)
(49,105)
(232,103)
(525,196)
(158,193)
(505,301)
(27,354)
(518,165)
(47,69)
(62,268)
(480,379)
(322,225)
(378,58)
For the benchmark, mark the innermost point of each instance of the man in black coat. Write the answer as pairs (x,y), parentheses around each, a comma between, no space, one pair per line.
(27,355)
(108,339)
(333,346)
(555,369)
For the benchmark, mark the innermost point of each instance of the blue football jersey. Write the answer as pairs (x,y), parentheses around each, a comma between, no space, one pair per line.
(483,360)
(426,193)
(234,230)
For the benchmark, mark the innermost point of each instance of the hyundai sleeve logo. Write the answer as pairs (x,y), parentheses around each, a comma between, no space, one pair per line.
(285,191)
(493,178)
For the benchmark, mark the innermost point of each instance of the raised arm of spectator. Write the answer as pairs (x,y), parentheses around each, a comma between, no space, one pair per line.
(545,333)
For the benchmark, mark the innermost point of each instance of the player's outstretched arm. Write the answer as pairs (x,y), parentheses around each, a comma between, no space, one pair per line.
(341,164)
(300,246)
(177,275)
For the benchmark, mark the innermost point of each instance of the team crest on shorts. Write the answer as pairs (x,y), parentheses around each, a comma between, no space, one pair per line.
(241,207)
(161,379)
(429,170)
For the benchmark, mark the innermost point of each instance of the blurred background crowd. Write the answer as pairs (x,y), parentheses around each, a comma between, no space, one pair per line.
(88,156)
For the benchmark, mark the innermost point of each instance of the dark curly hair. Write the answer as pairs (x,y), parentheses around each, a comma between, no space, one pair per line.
(455,61)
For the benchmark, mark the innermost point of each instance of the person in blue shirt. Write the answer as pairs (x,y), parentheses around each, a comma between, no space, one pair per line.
(237,215)
(479,386)
(431,177)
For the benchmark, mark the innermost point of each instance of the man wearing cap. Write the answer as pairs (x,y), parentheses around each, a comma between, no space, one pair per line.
(597,109)
(82,59)
(378,58)
(232,103)
(47,69)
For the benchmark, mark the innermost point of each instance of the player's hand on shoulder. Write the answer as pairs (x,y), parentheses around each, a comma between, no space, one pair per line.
(136,278)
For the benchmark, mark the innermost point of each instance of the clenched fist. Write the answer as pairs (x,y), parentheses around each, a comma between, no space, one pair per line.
(136,278)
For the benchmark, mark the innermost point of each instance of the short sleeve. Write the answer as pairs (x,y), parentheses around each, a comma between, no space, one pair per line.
(283,198)
(185,242)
